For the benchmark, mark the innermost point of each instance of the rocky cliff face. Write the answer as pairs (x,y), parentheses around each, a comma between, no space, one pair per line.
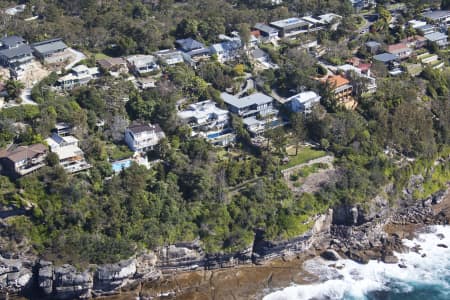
(355,232)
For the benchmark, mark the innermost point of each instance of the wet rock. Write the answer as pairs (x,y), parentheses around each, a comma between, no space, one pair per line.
(109,278)
(423,255)
(45,277)
(402,266)
(390,259)
(441,236)
(330,254)
(68,283)
(442,245)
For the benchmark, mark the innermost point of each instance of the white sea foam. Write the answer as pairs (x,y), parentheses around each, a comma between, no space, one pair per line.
(355,281)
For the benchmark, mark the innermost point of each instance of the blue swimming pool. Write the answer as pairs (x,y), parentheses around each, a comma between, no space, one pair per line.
(118,166)
(217,134)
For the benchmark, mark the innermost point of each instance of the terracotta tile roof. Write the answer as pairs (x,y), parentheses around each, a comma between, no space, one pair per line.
(256,33)
(397,47)
(22,152)
(337,80)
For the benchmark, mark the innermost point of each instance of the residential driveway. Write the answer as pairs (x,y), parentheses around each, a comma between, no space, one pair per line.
(77,57)
(249,84)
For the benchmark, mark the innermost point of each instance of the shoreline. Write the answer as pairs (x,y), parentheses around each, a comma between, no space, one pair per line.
(374,239)
(250,281)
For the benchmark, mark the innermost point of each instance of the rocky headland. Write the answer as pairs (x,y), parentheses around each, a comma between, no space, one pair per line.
(184,270)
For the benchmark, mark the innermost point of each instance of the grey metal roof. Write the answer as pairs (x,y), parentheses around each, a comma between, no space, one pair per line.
(265,28)
(49,47)
(12,41)
(189,44)
(436,14)
(23,49)
(373,44)
(436,36)
(385,57)
(253,99)
(258,53)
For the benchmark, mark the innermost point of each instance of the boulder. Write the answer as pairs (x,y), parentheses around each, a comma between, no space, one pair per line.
(45,277)
(390,259)
(330,254)
(111,277)
(68,283)
(402,266)
(442,245)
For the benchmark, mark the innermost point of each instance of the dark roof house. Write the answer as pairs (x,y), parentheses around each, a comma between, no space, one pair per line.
(22,160)
(14,52)
(48,48)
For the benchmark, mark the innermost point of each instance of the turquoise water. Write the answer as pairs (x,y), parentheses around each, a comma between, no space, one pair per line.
(424,278)
(118,166)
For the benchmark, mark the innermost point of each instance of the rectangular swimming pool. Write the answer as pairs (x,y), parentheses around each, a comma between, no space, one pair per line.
(119,165)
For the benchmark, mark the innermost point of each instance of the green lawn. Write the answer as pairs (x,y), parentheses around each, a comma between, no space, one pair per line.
(305,154)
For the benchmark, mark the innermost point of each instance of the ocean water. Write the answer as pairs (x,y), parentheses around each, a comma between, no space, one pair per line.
(423,278)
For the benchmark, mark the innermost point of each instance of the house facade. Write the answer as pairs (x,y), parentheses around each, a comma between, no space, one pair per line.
(291,27)
(401,50)
(78,76)
(143,137)
(209,121)
(256,104)
(71,157)
(170,56)
(266,32)
(51,51)
(439,38)
(141,65)
(23,160)
(15,52)
(193,50)
(303,102)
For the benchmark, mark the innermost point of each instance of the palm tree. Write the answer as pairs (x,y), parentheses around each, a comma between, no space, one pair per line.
(14,88)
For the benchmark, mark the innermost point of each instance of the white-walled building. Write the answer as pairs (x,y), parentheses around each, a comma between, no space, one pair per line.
(303,102)
(79,75)
(143,137)
(71,157)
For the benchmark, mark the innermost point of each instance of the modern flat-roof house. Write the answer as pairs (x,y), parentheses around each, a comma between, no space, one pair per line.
(441,17)
(439,38)
(143,137)
(401,50)
(142,64)
(51,51)
(14,52)
(360,4)
(170,56)
(113,65)
(256,104)
(266,32)
(79,75)
(426,29)
(63,129)
(22,160)
(291,26)
(208,120)
(71,157)
(193,49)
(303,102)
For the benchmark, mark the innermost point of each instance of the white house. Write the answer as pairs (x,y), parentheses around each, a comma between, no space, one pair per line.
(71,157)
(143,137)
(208,120)
(303,102)
(142,64)
(170,56)
(204,116)
(79,75)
